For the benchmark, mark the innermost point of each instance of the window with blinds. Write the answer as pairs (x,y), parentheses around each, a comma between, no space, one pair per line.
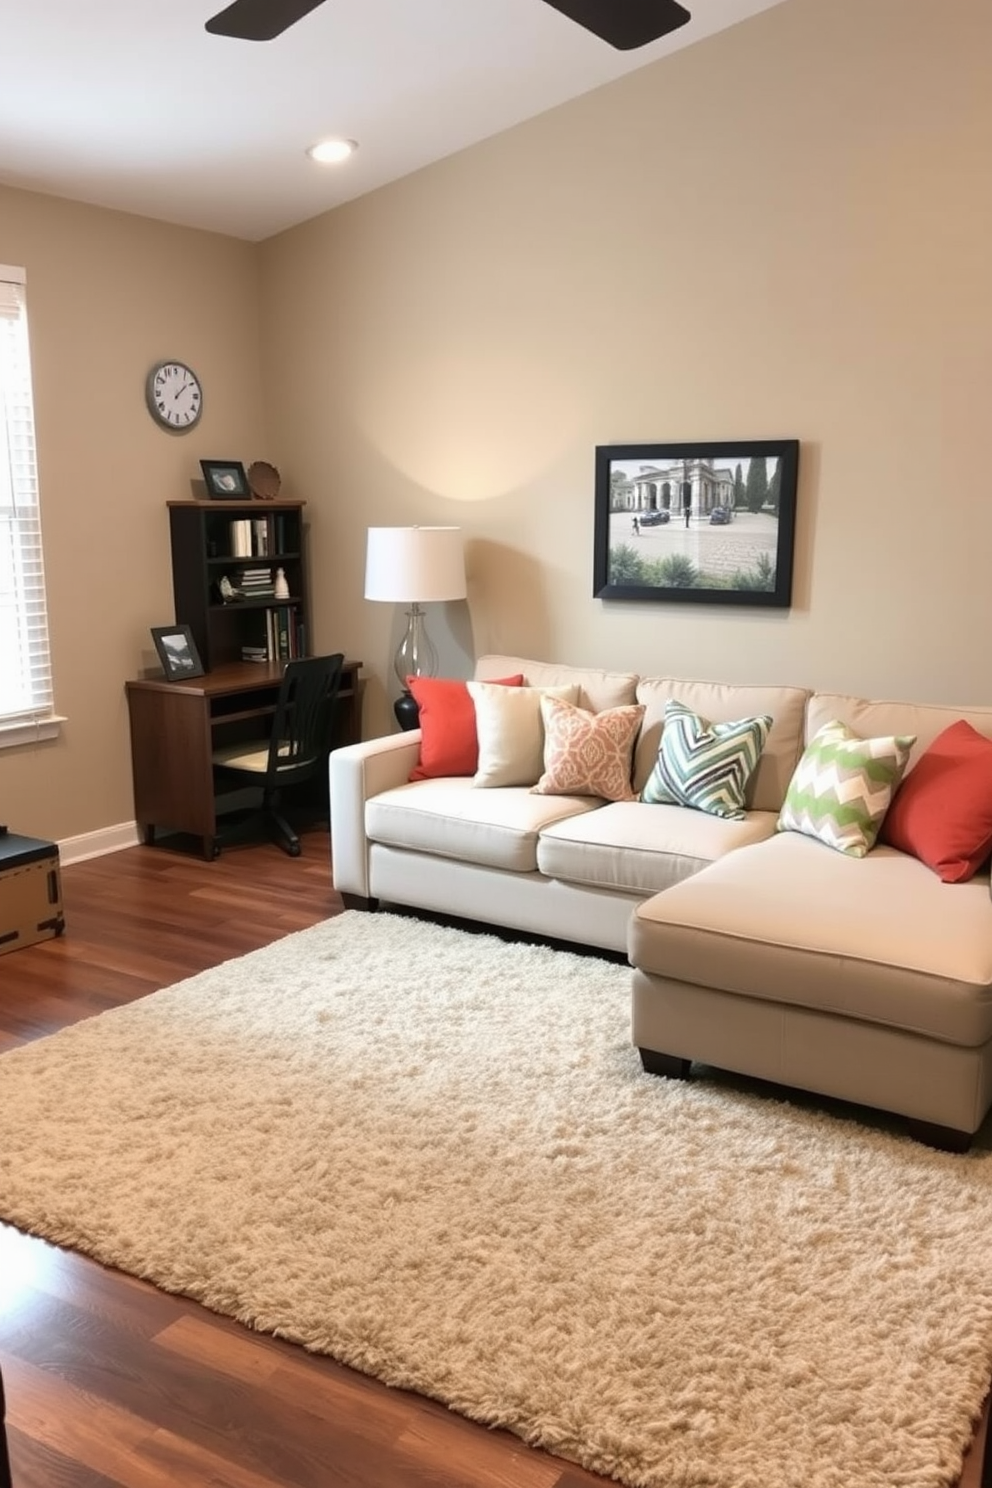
(26,701)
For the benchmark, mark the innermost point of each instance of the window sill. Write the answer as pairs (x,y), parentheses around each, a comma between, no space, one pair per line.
(15,734)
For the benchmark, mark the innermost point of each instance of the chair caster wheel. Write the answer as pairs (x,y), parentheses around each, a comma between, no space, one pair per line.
(294,849)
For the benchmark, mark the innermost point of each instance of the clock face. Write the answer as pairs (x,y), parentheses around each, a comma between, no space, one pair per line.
(174,396)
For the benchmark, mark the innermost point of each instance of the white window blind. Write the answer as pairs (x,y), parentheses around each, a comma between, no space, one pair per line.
(26,701)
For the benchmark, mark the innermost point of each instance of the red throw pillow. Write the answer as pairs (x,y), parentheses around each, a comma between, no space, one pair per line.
(942,812)
(449,744)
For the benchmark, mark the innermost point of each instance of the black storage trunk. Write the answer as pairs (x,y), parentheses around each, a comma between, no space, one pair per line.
(30,891)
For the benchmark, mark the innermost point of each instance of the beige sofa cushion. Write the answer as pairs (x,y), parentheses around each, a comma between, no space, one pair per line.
(878,938)
(721,703)
(869,718)
(597,690)
(450,818)
(640,849)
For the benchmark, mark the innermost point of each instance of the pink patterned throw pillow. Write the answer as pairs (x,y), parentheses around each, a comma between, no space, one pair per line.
(588,754)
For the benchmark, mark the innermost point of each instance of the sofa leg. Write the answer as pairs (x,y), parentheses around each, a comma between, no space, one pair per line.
(944,1138)
(358,901)
(665,1064)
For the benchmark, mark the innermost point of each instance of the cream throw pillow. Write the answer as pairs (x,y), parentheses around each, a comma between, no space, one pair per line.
(511,731)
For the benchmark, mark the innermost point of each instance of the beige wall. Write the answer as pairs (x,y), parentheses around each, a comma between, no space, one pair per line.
(108,295)
(782,231)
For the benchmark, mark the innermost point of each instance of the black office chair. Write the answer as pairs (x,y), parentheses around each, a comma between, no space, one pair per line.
(296,750)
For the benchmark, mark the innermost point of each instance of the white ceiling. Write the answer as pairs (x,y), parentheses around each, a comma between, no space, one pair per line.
(132,104)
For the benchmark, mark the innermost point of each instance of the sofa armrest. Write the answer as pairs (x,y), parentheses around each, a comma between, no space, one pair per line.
(355,773)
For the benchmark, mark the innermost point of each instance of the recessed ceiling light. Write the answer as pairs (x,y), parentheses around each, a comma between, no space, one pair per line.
(332,151)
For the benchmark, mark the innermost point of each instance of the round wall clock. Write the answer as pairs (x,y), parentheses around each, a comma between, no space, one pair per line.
(174,396)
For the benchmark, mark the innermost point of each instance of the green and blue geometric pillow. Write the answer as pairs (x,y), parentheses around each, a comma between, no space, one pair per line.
(843,786)
(705,765)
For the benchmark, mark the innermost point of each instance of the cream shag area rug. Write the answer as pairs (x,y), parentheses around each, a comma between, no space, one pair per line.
(435,1156)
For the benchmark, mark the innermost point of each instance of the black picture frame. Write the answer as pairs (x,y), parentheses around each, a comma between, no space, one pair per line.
(225,480)
(177,652)
(645,548)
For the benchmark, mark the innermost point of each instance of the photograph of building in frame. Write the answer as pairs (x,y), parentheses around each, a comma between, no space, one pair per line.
(696,523)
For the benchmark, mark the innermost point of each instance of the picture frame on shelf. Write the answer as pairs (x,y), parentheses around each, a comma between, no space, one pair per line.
(177,652)
(225,480)
(696,523)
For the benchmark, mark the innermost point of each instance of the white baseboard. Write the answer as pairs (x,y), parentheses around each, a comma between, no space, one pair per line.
(95,844)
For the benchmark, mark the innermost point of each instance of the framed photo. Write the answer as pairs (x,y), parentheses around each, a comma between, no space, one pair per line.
(225,480)
(177,652)
(696,523)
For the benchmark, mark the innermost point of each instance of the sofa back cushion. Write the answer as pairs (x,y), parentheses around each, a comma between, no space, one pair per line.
(725,703)
(596,689)
(868,718)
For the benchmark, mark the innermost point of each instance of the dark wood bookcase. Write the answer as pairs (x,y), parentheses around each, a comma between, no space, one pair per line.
(175,726)
(203,535)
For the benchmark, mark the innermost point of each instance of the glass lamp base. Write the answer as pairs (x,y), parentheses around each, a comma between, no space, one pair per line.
(416,656)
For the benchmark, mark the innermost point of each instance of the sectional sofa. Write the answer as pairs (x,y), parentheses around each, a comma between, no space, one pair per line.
(754,949)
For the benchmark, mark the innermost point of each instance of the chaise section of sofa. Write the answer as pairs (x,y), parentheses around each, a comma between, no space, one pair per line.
(864,979)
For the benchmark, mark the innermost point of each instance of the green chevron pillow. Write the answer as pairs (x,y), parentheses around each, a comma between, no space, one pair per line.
(843,785)
(705,765)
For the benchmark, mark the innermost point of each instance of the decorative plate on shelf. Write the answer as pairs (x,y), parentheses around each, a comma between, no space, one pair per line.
(264,480)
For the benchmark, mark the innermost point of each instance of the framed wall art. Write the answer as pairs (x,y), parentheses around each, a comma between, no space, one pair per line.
(702,523)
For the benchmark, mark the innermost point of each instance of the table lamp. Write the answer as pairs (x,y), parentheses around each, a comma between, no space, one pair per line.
(414,566)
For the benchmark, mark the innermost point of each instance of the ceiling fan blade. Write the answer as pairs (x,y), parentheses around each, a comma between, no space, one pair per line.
(625,24)
(260,20)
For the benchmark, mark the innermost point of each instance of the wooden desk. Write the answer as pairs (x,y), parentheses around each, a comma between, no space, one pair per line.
(175,727)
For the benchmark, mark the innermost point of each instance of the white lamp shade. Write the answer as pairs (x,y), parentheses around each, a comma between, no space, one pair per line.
(415,565)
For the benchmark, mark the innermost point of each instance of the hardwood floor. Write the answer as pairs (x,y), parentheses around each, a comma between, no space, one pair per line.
(111,1383)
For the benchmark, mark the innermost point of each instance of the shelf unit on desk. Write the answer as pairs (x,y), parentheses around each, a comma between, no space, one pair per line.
(175,727)
(202,537)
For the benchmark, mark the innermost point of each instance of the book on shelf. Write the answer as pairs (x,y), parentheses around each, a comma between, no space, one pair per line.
(256,583)
(283,652)
(280,528)
(241,537)
(254,537)
(283,636)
